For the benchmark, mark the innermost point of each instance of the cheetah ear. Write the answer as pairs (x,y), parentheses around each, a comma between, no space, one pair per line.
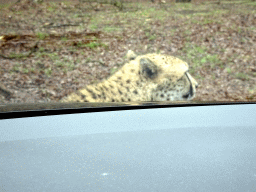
(148,68)
(131,55)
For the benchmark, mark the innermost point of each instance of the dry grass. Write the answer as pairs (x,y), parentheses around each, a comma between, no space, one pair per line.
(49,50)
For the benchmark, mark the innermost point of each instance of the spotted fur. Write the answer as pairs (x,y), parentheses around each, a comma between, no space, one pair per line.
(150,77)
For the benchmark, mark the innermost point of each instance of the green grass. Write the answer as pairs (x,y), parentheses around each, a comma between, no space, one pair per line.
(228,70)
(110,29)
(152,37)
(41,49)
(59,64)
(93,27)
(51,9)
(17,55)
(15,69)
(242,76)
(41,35)
(70,66)
(4,5)
(199,57)
(41,54)
(25,70)
(48,71)
(64,39)
(92,45)
(54,56)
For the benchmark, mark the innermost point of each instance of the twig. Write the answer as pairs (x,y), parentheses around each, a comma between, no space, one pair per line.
(32,50)
(61,25)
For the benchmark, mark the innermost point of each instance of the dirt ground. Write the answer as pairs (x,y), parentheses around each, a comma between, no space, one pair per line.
(50,49)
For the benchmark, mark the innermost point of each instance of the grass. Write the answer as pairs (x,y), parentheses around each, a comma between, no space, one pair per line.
(64,39)
(48,71)
(18,68)
(92,45)
(60,64)
(51,9)
(198,57)
(109,29)
(150,29)
(242,76)
(15,69)
(93,27)
(4,5)
(17,55)
(228,70)
(25,70)
(41,35)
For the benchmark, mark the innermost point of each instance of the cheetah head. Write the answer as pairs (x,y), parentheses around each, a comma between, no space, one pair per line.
(165,78)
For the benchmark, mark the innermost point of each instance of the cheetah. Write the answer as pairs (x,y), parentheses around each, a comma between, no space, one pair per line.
(150,77)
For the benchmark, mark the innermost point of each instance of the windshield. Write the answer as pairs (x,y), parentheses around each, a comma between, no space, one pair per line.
(125,51)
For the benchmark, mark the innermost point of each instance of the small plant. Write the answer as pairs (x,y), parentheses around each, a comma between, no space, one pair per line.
(93,45)
(16,55)
(54,56)
(203,60)
(51,9)
(25,70)
(64,39)
(59,64)
(48,71)
(32,69)
(65,70)
(71,66)
(93,26)
(213,59)
(41,49)
(242,76)
(41,36)
(199,50)
(110,29)
(207,21)
(221,65)
(15,69)
(187,32)
(152,37)
(228,70)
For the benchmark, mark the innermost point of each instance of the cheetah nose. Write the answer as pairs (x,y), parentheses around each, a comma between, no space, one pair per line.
(189,94)
(196,86)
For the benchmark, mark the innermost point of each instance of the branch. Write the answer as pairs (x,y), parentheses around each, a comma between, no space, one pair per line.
(32,50)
